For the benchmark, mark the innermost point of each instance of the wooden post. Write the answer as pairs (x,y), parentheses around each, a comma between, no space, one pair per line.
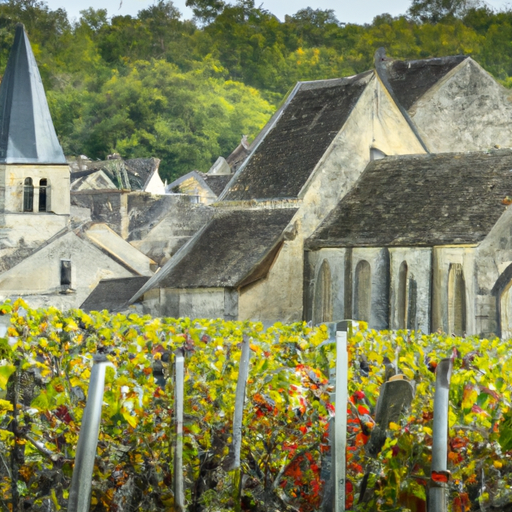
(243,373)
(439,468)
(81,482)
(340,421)
(179,374)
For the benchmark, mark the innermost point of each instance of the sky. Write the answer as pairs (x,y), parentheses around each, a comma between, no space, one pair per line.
(348,11)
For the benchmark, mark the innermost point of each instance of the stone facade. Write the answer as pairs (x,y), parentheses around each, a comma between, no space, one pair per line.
(443,265)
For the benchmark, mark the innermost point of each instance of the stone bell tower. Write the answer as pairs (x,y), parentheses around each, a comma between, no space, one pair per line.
(34,174)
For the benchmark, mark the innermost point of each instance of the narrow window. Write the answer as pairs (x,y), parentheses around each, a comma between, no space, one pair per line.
(43,185)
(411,306)
(362,299)
(402,296)
(323,295)
(65,273)
(28,195)
(456,300)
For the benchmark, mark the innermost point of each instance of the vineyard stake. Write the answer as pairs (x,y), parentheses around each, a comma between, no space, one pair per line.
(439,470)
(81,482)
(243,373)
(179,373)
(340,421)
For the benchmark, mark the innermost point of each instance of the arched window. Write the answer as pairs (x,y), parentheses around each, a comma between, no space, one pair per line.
(456,299)
(363,291)
(323,295)
(43,195)
(28,195)
(412,292)
(402,296)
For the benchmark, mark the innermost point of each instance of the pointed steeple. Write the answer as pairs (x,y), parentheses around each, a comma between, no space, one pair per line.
(27,135)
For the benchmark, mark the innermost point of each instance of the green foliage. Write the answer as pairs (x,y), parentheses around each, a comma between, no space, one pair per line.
(434,11)
(186,118)
(45,368)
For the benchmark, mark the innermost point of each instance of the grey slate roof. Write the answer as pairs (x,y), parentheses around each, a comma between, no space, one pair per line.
(411,79)
(217,182)
(113,294)
(27,134)
(281,164)
(421,200)
(227,251)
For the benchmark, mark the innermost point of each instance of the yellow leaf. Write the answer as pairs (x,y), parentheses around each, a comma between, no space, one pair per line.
(469,399)
(75,381)
(394,426)
(5,405)
(5,434)
(408,373)
(132,420)
(5,373)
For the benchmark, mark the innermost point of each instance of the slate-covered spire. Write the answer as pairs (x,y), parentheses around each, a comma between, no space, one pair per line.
(27,135)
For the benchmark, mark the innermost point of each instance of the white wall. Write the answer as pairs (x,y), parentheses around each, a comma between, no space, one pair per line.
(39,274)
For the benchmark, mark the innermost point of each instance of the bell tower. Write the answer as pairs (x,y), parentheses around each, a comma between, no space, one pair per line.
(34,174)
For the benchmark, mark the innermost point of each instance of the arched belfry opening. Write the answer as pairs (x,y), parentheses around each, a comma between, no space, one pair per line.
(456,300)
(28,195)
(43,195)
(362,291)
(322,311)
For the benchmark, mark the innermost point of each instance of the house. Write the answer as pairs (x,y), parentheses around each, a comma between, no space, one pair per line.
(421,241)
(204,188)
(310,156)
(116,173)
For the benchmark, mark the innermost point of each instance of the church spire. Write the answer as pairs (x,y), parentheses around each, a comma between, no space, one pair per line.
(27,135)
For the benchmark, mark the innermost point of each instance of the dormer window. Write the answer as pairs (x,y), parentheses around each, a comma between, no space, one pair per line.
(28,195)
(43,188)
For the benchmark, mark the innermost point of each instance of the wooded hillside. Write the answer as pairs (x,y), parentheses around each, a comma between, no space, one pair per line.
(186,91)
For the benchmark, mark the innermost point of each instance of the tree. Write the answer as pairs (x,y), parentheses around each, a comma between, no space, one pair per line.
(93,18)
(313,26)
(185,119)
(206,11)
(435,11)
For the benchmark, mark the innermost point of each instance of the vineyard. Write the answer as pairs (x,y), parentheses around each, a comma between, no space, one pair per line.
(45,364)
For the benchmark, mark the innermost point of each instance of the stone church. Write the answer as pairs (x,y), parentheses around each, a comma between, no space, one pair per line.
(382,197)
(407,151)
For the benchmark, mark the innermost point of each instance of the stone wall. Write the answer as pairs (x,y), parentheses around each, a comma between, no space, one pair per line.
(12,178)
(465,111)
(196,303)
(38,278)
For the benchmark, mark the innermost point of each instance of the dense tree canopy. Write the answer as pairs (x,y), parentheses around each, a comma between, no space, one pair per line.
(187,90)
